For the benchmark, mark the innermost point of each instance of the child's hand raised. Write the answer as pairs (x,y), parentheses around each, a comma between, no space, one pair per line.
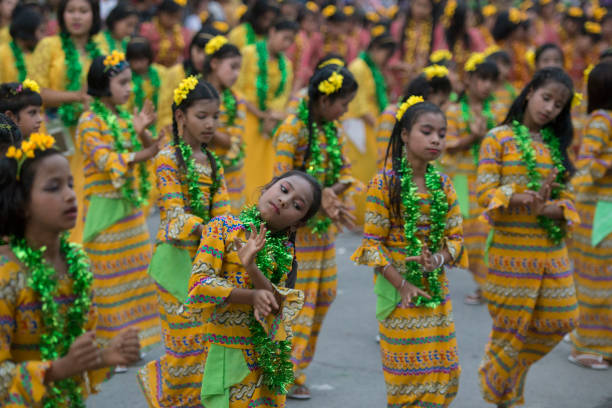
(247,251)
(426,260)
(145,118)
(335,209)
(123,350)
(264,303)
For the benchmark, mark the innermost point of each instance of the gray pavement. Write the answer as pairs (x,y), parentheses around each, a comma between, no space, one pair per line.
(346,371)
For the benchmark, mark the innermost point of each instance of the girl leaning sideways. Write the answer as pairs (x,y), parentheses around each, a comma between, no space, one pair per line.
(192,191)
(592,239)
(49,353)
(221,68)
(530,293)
(311,141)
(413,229)
(116,147)
(22,103)
(240,291)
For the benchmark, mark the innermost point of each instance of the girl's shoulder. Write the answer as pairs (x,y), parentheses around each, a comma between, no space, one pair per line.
(167,155)
(501,133)
(601,118)
(225,226)
(12,272)
(89,119)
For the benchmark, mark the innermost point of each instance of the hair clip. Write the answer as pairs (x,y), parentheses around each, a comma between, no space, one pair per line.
(331,84)
(214,44)
(413,100)
(37,141)
(187,85)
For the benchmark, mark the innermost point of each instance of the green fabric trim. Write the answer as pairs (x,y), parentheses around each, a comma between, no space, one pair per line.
(171,268)
(224,368)
(602,222)
(387,297)
(102,213)
(460,182)
(488,246)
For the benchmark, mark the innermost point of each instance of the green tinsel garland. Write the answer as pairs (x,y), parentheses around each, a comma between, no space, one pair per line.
(261,82)
(112,44)
(69,112)
(196,196)
(274,261)
(19,61)
(465,115)
(553,229)
(137,199)
(230,105)
(328,175)
(250,34)
(59,332)
(437,217)
(139,94)
(379,81)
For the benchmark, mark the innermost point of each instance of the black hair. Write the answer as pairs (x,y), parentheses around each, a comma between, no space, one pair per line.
(562,124)
(139,47)
(202,91)
(598,87)
(121,11)
(257,9)
(407,18)
(607,53)
(457,29)
(421,86)
(500,56)
(168,6)
(304,12)
(503,27)
(24,23)
(199,40)
(15,194)
(98,77)
(96,23)
(329,56)
(227,50)
(485,70)
(595,37)
(395,151)
(545,47)
(384,41)
(10,135)
(14,97)
(286,25)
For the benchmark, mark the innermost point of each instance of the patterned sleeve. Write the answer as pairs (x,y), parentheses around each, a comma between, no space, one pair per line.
(453,233)
(236,132)
(21,384)
(595,157)
(181,224)
(373,251)
(453,125)
(208,288)
(95,378)
(384,128)
(96,144)
(285,145)
(221,201)
(570,213)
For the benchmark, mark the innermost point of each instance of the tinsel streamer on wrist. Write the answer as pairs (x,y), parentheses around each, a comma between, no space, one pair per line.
(554,230)
(274,261)
(261,82)
(69,112)
(196,195)
(59,331)
(437,216)
(139,93)
(138,198)
(465,115)
(22,71)
(326,173)
(379,81)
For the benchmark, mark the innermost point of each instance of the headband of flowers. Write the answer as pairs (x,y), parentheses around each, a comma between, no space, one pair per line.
(348,10)
(378,30)
(37,141)
(433,71)
(331,84)
(592,27)
(27,84)
(413,100)
(575,12)
(490,50)
(440,55)
(214,44)
(577,99)
(312,6)
(182,91)
(599,13)
(115,62)
(472,63)
(181,3)
(515,16)
(221,26)
(392,11)
(489,10)
(329,11)
(449,12)
(331,61)
(372,17)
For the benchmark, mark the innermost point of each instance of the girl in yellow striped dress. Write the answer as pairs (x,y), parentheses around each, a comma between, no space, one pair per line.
(311,141)
(469,120)
(413,229)
(529,289)
(45,358)
(192,191)
(240,291)
(592,240)
(116,147)
(221,69)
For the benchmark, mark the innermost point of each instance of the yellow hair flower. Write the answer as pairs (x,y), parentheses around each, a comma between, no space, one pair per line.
(544,2)
(434,71)
(530,57)
(472,63)
(31,85)
(575,12)
(526,5)
(331,84)
(391,12)
(329,11)
(372,17)
(492,49)
(187,85)
(181,3)
(14,153)
(378,30)
(42,141)
(331,61)
(204,16)
(449,12)
(489,10)
(440,55)
(214,44)
(113,59)
(240,10)
(27,149)
(514,15)
(587,72)
(592,27)
(599,13)
(577,99)
(413,100)
(312,6)
(348,10)
(221,26)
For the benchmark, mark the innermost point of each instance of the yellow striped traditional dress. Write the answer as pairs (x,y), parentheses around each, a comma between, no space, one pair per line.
(176,377)
(316,254)
(217,271)
(504,95)
(120,250)
(530,288)
(418,344)
(593,267)
(384,128)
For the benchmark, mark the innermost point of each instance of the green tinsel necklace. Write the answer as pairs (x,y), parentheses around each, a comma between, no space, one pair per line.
(19,61)
(465,115)
(229,108)
(379,81)
(261,82)
(139,93)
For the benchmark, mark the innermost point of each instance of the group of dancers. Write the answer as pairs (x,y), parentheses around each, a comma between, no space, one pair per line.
(428,127)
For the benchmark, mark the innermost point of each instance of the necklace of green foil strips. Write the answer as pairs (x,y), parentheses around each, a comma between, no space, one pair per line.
(379,81)
(19,61)
(465,115)
(139,93)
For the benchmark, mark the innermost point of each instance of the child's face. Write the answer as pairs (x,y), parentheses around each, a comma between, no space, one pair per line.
(78,17)
(199,122)
(126,27)
(426,139)
(546,103)
(227,70)
(140,65)
(280,40)
(169,20)
(310,23)
(285,203)
(480,88)
(29,120)
(334,109)
(551,57)
(7,7)
(264,22)
(421,9)
(197,56)
(52,205)
(584,43)
(121,87)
